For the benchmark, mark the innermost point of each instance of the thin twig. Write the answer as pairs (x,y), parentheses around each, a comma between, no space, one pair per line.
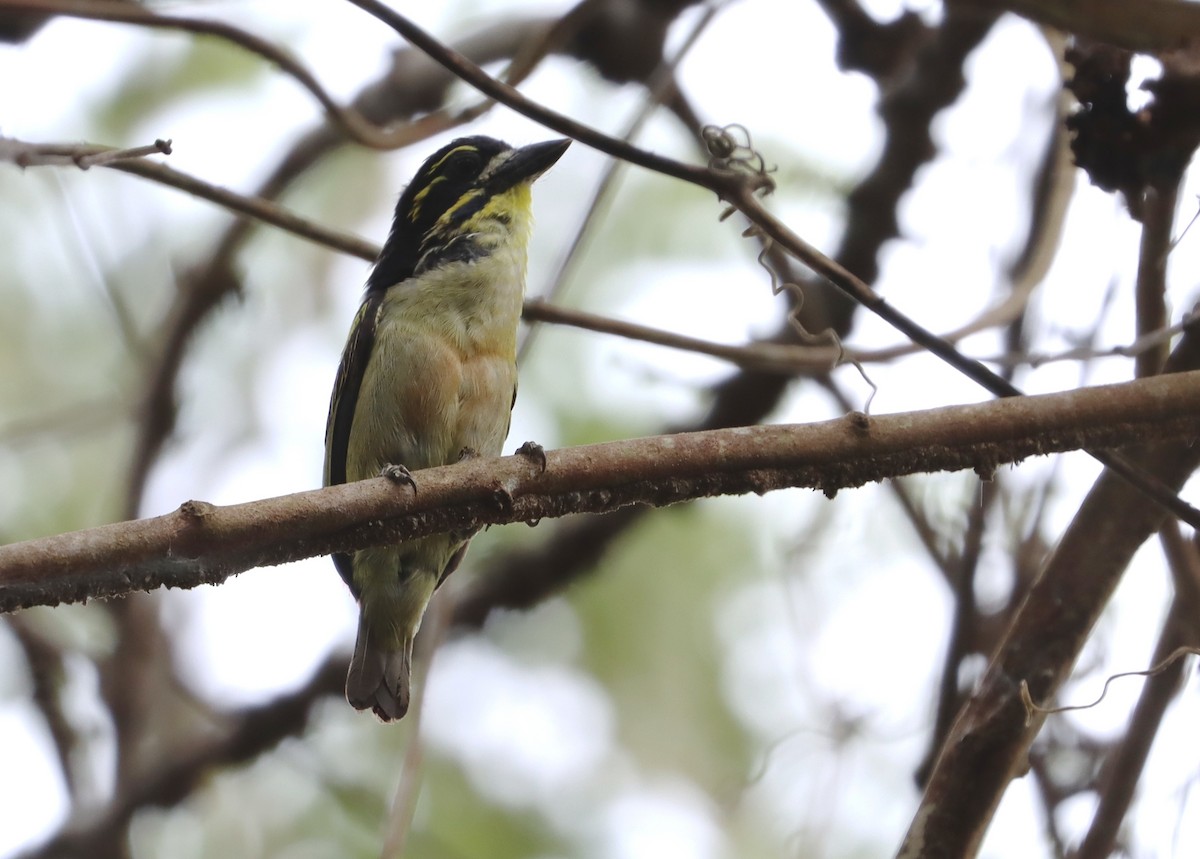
(789,359)
(351,121)
(81,155)
(1034,710)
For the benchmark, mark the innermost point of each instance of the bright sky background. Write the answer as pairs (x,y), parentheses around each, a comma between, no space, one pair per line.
(543,724)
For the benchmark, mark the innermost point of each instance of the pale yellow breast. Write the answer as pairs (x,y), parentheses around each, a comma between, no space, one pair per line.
(443,367)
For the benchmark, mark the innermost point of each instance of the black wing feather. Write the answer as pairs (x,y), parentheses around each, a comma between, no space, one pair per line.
(343,404)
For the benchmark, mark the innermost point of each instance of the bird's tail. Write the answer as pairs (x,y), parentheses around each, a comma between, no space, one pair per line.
(379,676)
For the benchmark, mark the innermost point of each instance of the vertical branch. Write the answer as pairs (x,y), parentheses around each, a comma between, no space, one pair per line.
(1158,218)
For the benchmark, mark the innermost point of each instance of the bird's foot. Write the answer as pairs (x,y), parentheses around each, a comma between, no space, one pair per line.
(534,451)
(399,474)
(467,453)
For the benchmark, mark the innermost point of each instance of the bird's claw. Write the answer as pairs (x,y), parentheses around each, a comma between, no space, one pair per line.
(399,474)
(533,450)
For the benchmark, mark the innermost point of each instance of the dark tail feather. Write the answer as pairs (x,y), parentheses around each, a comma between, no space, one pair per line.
(379,678)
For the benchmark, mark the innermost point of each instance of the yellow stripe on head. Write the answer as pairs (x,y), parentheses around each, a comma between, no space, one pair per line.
(433,168)
(448,216)
(415,212)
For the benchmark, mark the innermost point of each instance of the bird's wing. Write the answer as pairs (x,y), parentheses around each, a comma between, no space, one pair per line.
(345,400)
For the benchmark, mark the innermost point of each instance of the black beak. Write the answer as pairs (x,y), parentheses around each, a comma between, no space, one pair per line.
(529,162)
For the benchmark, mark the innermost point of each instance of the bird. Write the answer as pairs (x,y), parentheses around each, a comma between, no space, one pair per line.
(428,377)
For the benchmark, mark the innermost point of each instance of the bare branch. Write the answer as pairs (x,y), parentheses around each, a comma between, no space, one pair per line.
(792,359)
(205,544)
(81,155)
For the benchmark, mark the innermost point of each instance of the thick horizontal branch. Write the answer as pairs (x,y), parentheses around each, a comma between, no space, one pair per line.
(204,544)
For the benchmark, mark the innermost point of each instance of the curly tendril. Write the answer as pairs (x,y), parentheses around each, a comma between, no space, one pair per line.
(730,148)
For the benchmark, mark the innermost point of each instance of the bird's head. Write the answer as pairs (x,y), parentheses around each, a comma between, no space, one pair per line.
(470,184)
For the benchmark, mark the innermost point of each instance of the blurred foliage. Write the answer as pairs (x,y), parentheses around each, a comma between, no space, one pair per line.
(169,72)
(653,610)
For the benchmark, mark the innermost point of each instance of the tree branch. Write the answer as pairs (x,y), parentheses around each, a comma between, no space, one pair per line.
(991,737)
(81,155)
(204,544)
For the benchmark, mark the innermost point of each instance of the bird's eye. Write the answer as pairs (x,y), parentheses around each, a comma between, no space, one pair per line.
(465,165)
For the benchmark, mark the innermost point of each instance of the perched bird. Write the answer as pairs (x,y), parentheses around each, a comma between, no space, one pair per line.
(429,377)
